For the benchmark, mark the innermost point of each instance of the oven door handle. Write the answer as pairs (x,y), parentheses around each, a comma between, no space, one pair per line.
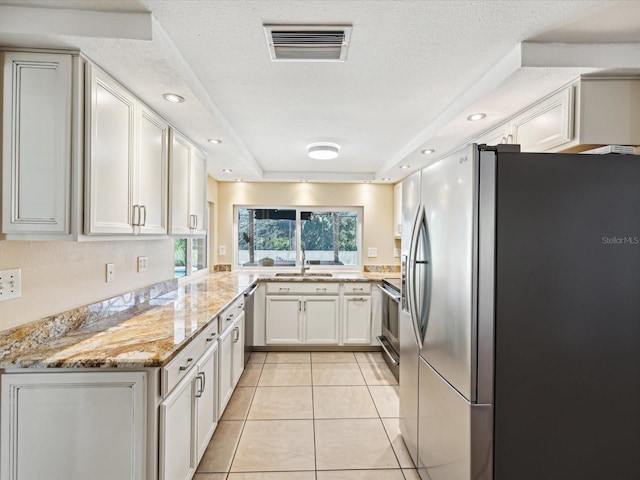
(382,341)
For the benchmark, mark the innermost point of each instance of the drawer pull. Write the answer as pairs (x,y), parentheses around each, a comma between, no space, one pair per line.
(360,289)
(318,289)
(212,337)
(184,367)
(284,289)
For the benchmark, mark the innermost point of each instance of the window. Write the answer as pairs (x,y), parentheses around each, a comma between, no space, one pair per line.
(275,237)
(190,255)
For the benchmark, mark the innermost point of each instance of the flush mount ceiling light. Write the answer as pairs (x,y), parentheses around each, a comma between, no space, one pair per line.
(215,141)
(476,116)
(173,98)
(323,151)
(404,167)
(427,151)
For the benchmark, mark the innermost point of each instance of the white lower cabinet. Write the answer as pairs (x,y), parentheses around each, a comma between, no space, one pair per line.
(74,426)
(294,320)
(177,420)
(283,320)
(356,320)
(231,363)
(321,315)
(206,398)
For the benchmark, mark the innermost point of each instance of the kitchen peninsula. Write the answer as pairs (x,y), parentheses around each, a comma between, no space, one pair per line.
(132,371)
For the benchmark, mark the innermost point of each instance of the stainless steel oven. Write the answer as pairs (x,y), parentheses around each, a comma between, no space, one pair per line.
(389,340)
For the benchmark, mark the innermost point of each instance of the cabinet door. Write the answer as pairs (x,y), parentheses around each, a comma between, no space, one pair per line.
(73,426)
(321,315)
(206,395)
(545,125)
(238,348)
(176,431)
(225,369)
(357,320)
(110,150)
(151,175)
(198,189)
(179,176)
(36,147)
(283,320)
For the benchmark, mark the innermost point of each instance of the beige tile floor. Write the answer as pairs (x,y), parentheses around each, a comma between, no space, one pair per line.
(310,416)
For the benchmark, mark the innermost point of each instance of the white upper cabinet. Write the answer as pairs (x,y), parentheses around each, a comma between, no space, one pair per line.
(152,184)
(187,187)
(38,155)
(545,125)
(127,162)
(110,149)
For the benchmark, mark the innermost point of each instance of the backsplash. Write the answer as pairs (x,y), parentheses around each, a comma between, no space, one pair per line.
(382,268)
(112,310)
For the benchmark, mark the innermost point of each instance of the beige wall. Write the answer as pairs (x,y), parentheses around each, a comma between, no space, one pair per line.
(376,201)
(58,276)
(212,198)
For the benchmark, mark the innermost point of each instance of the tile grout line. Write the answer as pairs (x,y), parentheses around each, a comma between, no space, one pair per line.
(313,422)
(381,421)
(244,422)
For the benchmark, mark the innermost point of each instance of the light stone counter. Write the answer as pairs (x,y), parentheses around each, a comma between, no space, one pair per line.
(146,328)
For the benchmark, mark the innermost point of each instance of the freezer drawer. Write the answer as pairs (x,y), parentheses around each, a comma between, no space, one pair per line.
(454,436)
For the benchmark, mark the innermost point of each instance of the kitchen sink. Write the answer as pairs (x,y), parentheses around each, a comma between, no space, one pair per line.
(296,274)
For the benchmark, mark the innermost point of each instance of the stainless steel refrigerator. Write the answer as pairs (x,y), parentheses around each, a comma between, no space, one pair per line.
(520,323)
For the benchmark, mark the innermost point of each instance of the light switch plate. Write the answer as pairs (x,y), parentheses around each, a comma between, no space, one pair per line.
(110,272)
(223,249)
(10,284)
(372,252)
(396,253)
(142,264)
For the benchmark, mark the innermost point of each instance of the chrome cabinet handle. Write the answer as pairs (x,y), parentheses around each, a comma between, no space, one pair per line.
(185,366)
(198,393)
(318,289)
(509,138)
(143,208)
(284,289)
(358,289)
(300,305)
(236,331)
(212,337)
(304,305)
(134,222)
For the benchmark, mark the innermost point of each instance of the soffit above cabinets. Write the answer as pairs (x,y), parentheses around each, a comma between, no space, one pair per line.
(413,70)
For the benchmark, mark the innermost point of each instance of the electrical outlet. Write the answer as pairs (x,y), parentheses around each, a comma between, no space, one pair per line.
(10,284)
(111,272)
(223,250)
(372,252)
(396,253)
(142,264)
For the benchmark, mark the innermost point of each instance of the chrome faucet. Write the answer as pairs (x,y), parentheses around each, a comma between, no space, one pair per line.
(304,260)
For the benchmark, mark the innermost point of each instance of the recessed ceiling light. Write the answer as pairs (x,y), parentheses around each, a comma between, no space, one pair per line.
(304,181)
(404,167)
(323,151)
(226,170)
(476,116)
(386,179)
(366,181)
(215,141)
(238,179)
(428,151)
(173,98)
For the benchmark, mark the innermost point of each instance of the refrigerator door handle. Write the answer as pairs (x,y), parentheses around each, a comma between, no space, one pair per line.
(411,270)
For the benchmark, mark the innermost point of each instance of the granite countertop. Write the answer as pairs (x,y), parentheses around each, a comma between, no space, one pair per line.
(149,334)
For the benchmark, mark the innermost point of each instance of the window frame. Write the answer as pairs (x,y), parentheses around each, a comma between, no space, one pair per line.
(358,267)
(189,274)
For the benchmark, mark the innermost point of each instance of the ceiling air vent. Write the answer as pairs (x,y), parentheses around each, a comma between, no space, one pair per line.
(308,43)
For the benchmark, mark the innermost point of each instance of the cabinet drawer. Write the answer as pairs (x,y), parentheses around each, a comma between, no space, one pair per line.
(176,369)
(357,288)
(307,288)
(230,313)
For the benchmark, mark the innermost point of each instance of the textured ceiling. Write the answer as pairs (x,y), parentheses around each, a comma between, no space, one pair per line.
(409,63)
